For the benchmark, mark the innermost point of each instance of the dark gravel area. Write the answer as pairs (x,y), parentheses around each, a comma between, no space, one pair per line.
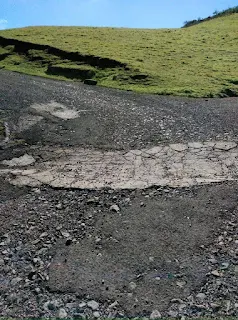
(45,232)
(115,119)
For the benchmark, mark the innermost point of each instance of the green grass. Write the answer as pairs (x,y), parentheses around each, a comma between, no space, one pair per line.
(200,61)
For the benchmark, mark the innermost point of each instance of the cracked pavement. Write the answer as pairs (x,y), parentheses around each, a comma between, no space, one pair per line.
(175,165)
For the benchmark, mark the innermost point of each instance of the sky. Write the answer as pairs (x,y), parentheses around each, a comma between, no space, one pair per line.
(107,13)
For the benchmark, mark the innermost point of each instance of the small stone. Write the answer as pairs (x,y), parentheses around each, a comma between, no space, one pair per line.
(51,305)
(201,296)
(115,208)
(216,273)
(155,315)
(16,281)
(37,290)
(225,265)
(59,206)
(62,314)
(180,284)
(96,314)
(43,235)
(173,314)
(82,305)
(2,262)
(132,285)
(177,301)
(213,261)
(65,234)
(113,305)
(93,305)
(236,269)
(71,305)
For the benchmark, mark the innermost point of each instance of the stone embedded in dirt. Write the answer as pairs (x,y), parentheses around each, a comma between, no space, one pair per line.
(201,296)
(155,314)
(93,305)
(96,314)
(181,284)
(62,314)
(65,234)
(173,314)
(225,265)
(51,305)
(22,161)
(16,281)
(213,261)
(216,273)
(114,208)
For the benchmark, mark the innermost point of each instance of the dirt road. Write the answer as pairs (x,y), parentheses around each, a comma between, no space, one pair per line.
(115,204)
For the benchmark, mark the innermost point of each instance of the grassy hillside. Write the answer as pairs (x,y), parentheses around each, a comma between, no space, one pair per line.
(215,15)
(198,61)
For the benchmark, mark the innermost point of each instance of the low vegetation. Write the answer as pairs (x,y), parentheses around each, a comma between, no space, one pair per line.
(216,14)
(198,62)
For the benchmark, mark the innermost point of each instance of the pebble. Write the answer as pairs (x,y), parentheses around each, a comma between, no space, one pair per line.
(155,314)
(82,305)
(93,305)
(115,208)
(201,296)
(65,234)
(216,273)
(132,285)
(173,314)
(96,314)
(62,314)
(225,265)
(16,281)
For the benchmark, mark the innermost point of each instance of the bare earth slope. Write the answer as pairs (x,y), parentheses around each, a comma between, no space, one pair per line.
(116,204)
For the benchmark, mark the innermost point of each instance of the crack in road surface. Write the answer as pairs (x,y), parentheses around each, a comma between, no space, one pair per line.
(175,165)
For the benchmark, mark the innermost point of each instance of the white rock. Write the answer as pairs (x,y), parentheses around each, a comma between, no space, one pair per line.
(93,305)
(201,296)
(96,314)
(62,314)
(155,314)
(115,208)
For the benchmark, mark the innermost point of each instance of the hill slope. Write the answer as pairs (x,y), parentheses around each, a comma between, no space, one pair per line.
(197,61)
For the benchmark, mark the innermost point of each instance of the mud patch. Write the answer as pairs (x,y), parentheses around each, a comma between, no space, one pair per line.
(144,255)
(56,109)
